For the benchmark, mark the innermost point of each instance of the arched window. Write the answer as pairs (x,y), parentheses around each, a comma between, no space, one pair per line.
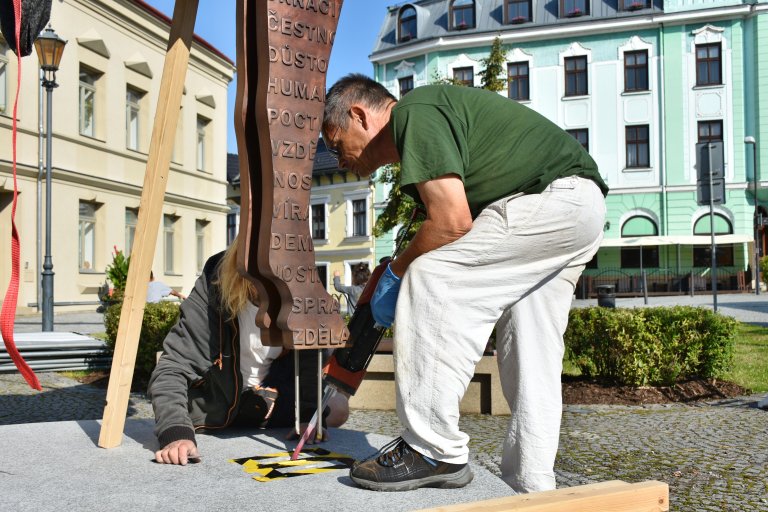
(407,24)
(462,14)
(702,254)
(634,227)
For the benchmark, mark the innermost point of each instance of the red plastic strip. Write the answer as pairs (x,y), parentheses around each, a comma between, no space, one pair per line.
(8,314)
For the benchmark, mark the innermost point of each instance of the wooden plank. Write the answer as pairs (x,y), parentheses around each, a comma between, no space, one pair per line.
(150,211)
(612,496)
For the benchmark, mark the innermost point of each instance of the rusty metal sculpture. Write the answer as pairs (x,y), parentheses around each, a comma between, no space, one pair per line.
(283,47)
(283,52)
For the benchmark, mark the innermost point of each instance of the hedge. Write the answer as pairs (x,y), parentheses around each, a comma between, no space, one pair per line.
(649,346)
(158,320)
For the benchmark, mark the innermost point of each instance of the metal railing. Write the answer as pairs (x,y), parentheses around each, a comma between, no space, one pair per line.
(58,351)
(662,281)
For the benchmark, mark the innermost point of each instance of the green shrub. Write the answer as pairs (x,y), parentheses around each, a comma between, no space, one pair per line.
(649,346)
(158,320)
(763,269)
(117,271)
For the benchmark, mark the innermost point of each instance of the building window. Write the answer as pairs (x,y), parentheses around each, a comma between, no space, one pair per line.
(406,85)
(517,80)
(630,257)
(132,110)
(202,143)
(322,274)
(708,64)
(87,236)
(464,76)
(318,222)
(573,8)
(636,71)
(462,14)
(169,242)
(3,77)
(201,242)
(232,220)
(576,83)
(407,24)
(710,131)
(131,219)
(581,135)
(634,5)
(636,227)
(87,102)
(359,218)
(517,11)
(178,142)
(702,255)
(638,148)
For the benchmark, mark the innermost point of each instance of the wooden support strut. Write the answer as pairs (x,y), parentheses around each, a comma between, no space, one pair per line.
(150,210)
(612,496)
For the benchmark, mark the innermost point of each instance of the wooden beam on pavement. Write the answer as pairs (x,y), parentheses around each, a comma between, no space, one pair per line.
(150,211)
(612,496)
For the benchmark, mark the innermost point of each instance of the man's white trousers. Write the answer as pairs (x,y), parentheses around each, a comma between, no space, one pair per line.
(516,270)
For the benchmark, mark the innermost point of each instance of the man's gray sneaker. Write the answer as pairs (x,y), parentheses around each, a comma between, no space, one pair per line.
(398,467)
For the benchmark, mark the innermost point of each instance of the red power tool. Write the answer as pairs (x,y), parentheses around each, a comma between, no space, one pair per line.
(346,367)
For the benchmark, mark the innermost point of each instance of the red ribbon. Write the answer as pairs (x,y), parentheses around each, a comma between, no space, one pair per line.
(8,314)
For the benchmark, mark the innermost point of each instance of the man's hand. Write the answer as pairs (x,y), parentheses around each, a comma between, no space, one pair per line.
(177,452)
(384,298)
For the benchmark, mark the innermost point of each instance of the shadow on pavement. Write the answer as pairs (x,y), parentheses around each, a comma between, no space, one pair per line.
(75,403)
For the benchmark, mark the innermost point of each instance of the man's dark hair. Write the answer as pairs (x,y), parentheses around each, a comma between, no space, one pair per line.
(350,89)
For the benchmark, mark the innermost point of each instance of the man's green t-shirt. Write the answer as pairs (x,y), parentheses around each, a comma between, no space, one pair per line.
(497,146)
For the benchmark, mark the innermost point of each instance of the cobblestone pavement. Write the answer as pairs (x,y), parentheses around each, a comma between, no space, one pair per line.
(714,456)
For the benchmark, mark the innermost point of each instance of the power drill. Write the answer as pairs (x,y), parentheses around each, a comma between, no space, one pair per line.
(346,367)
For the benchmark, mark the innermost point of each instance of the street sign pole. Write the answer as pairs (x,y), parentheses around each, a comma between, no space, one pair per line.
(712,229)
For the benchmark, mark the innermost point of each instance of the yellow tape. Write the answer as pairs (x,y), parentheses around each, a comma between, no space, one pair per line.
(277,466)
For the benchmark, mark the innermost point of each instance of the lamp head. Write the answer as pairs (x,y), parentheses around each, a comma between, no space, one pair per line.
(50,48)
(749,140)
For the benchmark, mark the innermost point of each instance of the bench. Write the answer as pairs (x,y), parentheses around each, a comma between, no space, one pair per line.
(484,395)
(613,496)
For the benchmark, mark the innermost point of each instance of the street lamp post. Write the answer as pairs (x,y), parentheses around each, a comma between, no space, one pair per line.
(752,142)
(50,48)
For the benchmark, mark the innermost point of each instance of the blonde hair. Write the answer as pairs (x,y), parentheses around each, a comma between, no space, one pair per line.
(235,289)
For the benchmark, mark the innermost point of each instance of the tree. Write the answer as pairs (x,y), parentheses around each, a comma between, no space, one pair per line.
(117,272)
(437,79)
(399,206)
(492,77)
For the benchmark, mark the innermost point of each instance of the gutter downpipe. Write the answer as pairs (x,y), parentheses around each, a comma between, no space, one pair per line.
(40,171)
(663,148)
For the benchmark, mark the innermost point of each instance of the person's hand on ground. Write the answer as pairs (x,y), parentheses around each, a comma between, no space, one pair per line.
(178,452)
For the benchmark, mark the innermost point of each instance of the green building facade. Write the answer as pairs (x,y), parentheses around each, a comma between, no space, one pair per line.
(640,84)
